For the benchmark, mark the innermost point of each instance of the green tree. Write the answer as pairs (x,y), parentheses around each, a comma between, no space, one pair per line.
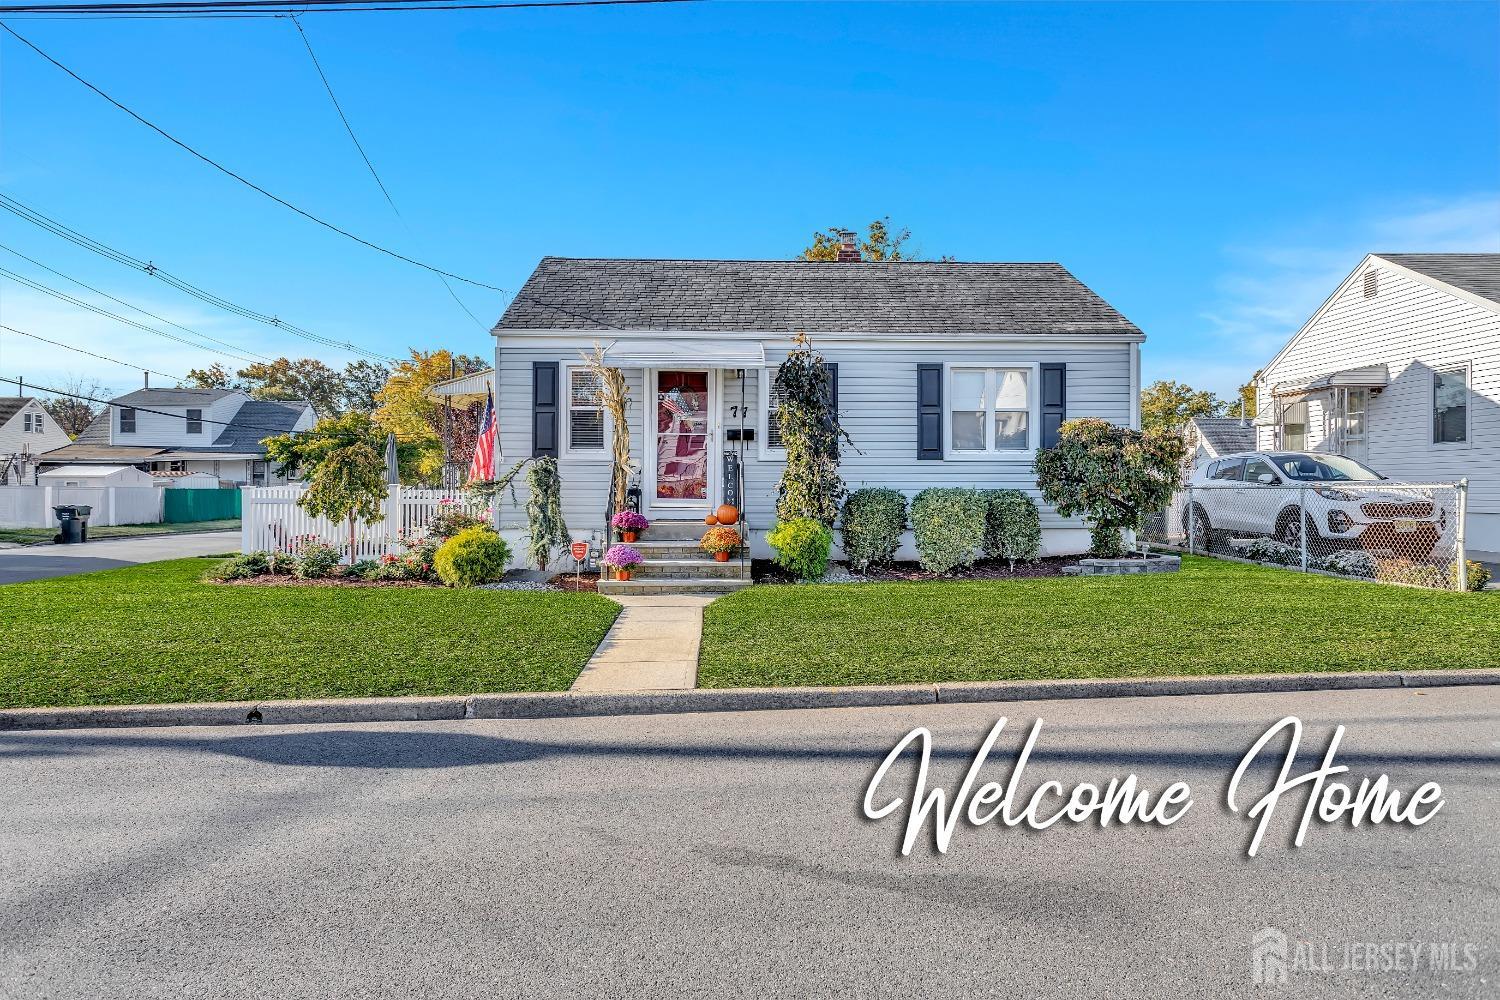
(349,484)
(330,391)
(215,376)
(1113,476)
(1167,405)
(362,380)
(880,242)
(298,455)
(810,483)
(1247,406)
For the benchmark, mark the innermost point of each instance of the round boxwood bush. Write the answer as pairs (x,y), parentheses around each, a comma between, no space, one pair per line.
(948,525)
(471,557)
(802,546)
(1012,526)
(871,526)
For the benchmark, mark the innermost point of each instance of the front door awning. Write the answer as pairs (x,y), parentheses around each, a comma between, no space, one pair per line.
(685,354)
(1369,377)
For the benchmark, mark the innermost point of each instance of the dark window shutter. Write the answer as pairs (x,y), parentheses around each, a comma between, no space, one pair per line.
(1054,402)
(543,409)
(930,412)
(833,386)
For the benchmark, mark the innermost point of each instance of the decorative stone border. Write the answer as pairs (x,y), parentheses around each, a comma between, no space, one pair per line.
(1124,567)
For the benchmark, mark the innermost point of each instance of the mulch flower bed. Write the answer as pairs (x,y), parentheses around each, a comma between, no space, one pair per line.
(283,580)
(567,581)
(765,571)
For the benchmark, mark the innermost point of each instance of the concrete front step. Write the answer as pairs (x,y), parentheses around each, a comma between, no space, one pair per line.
(674,531)
(694,568)
(636,586)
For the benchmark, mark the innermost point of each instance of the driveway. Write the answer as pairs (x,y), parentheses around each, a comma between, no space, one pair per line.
(36,562)
(724,856)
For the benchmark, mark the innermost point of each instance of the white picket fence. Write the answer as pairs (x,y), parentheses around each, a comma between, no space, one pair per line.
(272,521)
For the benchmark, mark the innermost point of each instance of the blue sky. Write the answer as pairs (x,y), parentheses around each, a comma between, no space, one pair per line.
(1212,170)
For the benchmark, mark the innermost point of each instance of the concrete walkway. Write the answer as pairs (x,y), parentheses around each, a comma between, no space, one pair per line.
(653,646)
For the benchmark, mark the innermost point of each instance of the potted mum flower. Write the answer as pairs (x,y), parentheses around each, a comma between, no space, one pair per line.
(621,558)
(629,524)
(720,540)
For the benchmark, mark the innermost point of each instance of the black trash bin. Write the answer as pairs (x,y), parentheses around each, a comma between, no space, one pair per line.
(72,523)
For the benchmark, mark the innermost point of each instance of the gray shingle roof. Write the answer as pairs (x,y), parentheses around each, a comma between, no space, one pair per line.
(779,296)
(256,420)
(173,397)
(97,432)
(248,427)
(1225,435)
(1478,273)
(11,405)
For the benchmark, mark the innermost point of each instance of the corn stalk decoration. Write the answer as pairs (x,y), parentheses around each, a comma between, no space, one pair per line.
(614,397)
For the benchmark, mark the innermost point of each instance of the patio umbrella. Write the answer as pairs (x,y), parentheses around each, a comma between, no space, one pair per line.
(392,469)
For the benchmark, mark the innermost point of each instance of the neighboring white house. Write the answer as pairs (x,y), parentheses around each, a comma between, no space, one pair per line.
(26,431)
(944,374)
(1400,369)
(215,431)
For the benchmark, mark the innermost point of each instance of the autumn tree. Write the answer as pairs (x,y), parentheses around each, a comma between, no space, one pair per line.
(880,242)
(72,413)
(406,406)
(1167,405)
(1247,406)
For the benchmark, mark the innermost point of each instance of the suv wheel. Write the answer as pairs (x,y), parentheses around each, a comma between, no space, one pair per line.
(1197,528)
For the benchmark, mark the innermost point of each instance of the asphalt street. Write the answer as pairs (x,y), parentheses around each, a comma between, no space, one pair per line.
(725,856)
(36,562)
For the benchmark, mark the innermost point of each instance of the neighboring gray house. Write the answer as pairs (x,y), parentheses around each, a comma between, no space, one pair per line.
(945,374)
(1210,437)
(1400,369)
(217,431)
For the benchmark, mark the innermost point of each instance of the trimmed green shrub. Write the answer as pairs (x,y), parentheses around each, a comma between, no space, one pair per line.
(1269,550)
(241,567)
(1106,542)
(948,525)
(317,561)
(802,546)
(472,557)
(1478,576)
(871,526)
(1012,526)
(365,569)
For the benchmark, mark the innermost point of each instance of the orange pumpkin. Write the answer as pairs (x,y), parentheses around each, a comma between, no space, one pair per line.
(710,519)
(728,514)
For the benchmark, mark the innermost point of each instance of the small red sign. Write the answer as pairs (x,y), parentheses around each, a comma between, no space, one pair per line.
(580,550)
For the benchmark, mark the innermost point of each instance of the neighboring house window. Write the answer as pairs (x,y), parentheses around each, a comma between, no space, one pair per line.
(1294,427)
(585,430)
(37,424)
(257,473)
(989,410)
(1450,407)
(26,423)
(127,420)
(195,421)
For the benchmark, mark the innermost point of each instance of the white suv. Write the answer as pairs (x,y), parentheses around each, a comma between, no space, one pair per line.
(1345,505)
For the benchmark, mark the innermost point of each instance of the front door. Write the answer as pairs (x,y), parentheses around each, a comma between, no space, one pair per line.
(681,468)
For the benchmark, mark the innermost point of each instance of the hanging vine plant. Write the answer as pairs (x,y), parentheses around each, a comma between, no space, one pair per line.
(810,485)
(544,512)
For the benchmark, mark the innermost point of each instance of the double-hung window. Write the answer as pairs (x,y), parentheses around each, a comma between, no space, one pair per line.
(585,434)
(195,421)
(772,446)
(989,410)
(127,420)
(1450,407)
(26,423)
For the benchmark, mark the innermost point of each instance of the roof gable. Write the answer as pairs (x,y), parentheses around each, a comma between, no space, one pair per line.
(779,296)
(1475,273)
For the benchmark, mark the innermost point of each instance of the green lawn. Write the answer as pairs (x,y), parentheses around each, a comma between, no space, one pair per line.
(154,633)
(1213,617)
(33,536)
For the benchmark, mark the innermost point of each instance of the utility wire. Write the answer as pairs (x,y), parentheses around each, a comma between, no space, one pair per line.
(195,6)
(65,297)
(239,177)
(160,413)
(101,357)
(62,231)
(307,42)
(127,305)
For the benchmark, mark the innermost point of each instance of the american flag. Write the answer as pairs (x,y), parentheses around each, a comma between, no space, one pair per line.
(483,466)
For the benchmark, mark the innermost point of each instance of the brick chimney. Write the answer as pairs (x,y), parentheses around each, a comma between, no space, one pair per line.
(848,249)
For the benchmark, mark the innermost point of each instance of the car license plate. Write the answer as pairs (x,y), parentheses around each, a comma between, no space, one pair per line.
(1405,526)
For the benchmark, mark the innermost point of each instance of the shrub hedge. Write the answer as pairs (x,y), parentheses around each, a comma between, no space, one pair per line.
(802,546)
(948,525)
(871,525)
(1012,526)
(472,557)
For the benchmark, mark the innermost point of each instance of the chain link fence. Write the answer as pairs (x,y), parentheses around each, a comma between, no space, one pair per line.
(1409,533)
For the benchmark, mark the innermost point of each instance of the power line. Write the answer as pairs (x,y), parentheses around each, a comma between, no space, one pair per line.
(101,357)
(307,42)
(65,297)
(127,305)
(243,180)
(160,413)
(62,231)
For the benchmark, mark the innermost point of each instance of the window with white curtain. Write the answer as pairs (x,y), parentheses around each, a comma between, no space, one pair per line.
(989,410)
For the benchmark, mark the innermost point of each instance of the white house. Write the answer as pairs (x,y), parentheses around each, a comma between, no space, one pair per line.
(944,374)
(1400,369)
(215,431)
(26,431)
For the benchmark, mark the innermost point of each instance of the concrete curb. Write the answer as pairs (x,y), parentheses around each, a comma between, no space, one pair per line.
(568,704)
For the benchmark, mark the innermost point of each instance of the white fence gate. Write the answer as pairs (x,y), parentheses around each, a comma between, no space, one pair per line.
(271,521)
